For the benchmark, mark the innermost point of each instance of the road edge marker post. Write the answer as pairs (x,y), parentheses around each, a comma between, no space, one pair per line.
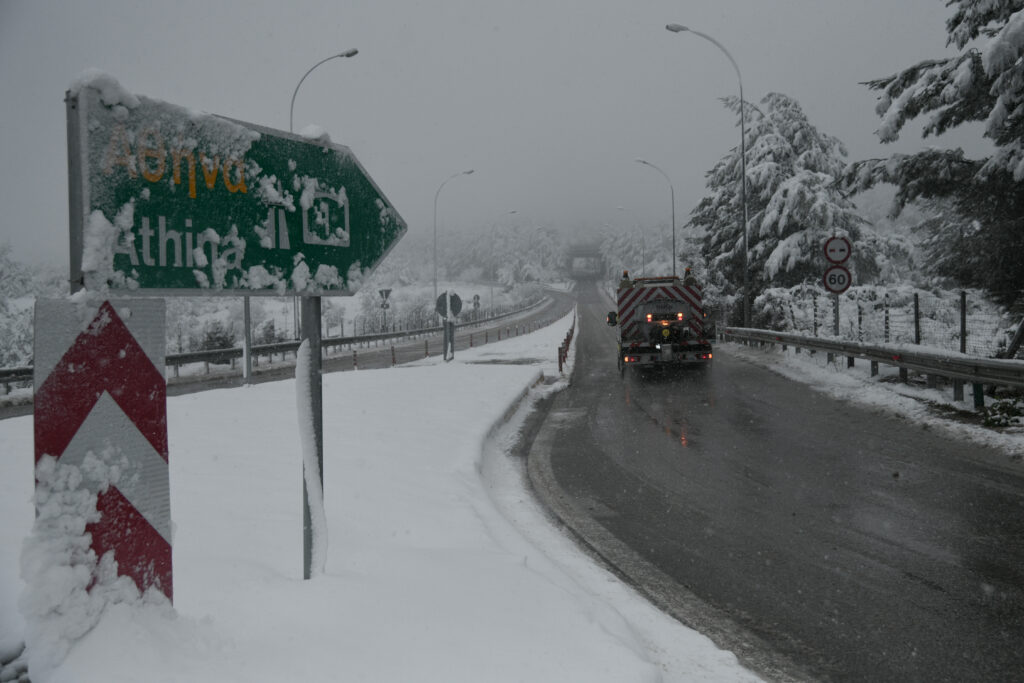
(101,409)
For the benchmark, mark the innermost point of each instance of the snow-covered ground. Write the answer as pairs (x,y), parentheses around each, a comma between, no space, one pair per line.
(440,566)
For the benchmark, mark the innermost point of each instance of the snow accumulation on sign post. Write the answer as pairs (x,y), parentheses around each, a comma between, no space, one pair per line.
(175,201)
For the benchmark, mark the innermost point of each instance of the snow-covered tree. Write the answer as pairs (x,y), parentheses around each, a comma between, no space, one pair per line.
(983,83)
(794,203)
(20,283)
(509,254)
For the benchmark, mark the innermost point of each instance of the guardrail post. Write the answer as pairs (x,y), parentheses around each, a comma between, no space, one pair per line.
(355,360)
(874,368)
(979,396)
(394,361)
(426,348)
(963,321)
(886,318)
(917,319)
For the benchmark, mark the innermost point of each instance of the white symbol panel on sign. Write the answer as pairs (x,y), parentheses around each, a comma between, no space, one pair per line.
(837,249)
(330,227)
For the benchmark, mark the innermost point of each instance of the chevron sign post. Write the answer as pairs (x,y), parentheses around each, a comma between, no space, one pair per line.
(101,407)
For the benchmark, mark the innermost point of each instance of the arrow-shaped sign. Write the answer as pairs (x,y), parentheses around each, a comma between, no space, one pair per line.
(106,398)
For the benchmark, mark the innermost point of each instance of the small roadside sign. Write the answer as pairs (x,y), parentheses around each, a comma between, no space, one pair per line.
(837,250)
(837,279)
(442,305)
(101,407)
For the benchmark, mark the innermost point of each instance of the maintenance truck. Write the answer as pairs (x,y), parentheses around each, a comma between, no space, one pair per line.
(661,323)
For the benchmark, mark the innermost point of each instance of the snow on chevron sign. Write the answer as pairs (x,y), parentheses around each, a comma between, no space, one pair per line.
(101,406)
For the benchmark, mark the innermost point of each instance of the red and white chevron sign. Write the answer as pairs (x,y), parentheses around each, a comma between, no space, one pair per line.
(630,299)
(101,397)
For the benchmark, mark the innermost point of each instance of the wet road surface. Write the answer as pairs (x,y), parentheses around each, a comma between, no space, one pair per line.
(858,545)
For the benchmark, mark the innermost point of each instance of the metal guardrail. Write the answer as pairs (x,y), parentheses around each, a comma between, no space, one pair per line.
(12,376)
(955,366)
(9,376)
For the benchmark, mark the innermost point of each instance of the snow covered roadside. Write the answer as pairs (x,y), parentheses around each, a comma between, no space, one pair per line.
(439,564)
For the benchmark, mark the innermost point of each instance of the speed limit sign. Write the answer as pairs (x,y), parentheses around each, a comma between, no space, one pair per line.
(837,279)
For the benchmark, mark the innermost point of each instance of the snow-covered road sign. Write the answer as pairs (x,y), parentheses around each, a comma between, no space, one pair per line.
(837,249)
(837,279)
(441,305)
(175,201)
(101,408)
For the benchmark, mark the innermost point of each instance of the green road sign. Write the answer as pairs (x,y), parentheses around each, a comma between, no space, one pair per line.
(173,201)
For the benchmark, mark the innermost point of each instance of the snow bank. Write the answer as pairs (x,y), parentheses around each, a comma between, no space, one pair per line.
(434,572)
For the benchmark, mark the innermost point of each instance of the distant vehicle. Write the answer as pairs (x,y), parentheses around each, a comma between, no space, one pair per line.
(661,323)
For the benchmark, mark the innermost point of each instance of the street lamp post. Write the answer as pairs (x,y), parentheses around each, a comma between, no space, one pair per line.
(678,28)
(314,546)
(436,195)
(494,275)
(291,129)
(672,191)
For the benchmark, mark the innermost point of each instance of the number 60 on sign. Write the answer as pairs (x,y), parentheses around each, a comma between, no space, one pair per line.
(837,279)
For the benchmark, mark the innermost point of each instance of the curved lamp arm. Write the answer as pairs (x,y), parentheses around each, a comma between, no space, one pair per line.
(347,53)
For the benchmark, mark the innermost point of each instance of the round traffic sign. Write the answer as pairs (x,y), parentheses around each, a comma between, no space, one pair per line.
(837,249)
(837,279)
(442,305)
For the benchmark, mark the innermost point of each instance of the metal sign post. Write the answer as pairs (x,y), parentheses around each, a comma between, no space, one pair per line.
(384,306)
(311,333)
(448,306)
(837,278)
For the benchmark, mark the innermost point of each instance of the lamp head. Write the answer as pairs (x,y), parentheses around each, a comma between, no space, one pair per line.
(677,28)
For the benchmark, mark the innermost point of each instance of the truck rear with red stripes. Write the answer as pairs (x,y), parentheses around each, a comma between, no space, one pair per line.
(661,323)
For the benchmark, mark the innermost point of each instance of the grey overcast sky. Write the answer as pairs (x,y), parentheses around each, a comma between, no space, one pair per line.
(550,101)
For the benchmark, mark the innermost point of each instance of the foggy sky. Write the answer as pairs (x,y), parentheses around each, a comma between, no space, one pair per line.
(550,102)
